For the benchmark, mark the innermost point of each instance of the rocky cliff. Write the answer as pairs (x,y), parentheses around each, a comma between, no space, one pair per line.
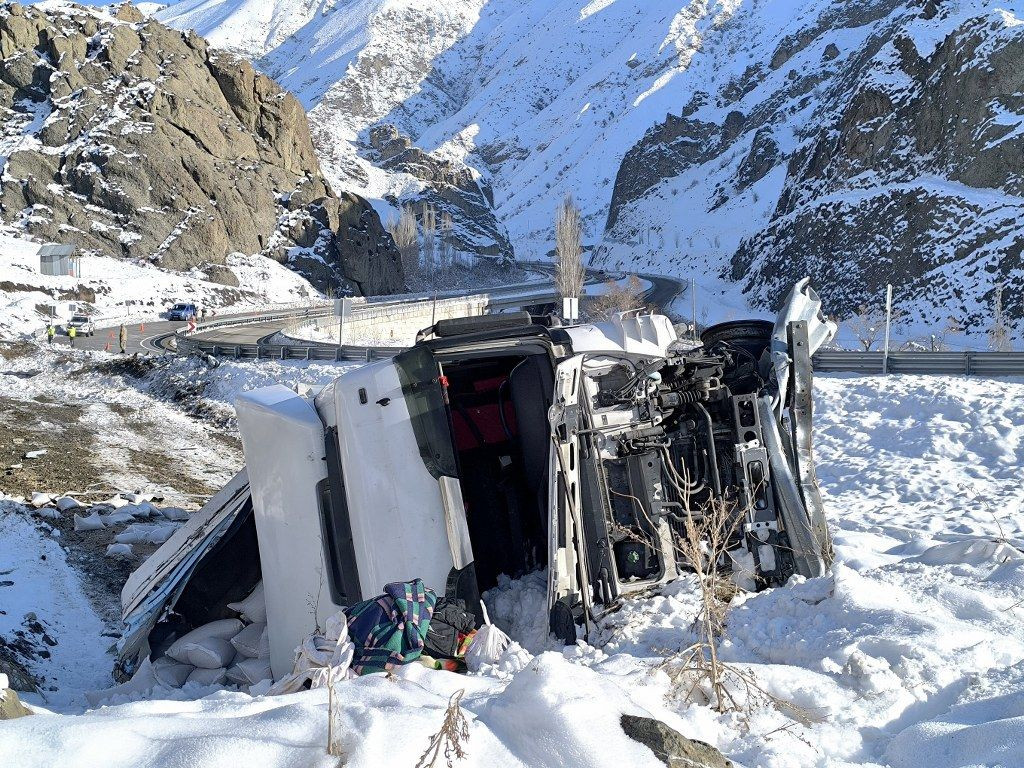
(131,139)
(890,138)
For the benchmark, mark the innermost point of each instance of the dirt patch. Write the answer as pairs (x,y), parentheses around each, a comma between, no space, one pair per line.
(87,554)
(32,426)
(15,350)
(168,470)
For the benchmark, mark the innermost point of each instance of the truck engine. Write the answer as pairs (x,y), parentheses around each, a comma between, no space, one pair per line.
(692,446)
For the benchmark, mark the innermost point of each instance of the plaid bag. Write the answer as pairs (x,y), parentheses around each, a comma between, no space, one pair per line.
(390,630)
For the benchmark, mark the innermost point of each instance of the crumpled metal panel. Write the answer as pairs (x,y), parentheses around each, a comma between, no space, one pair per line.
(804,304)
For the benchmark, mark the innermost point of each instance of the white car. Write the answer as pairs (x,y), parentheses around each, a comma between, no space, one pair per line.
(82,324)
(498,445)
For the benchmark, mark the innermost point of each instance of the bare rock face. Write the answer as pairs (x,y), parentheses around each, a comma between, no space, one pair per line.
(448,187)
(881,142)
(919,186)
(134,140)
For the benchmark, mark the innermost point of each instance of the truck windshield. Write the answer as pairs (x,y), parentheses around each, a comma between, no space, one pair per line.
(421,380)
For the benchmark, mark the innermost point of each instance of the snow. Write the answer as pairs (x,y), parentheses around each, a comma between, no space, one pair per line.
(37,579)
(130,292)
(910,653)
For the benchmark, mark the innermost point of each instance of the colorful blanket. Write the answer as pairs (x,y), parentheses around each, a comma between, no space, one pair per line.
(390,630)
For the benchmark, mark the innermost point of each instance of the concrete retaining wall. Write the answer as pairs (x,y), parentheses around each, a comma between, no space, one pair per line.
(393,324)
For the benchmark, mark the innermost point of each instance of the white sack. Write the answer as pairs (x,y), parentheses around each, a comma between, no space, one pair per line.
(119,550)
(177,514)
(224,629)
(208,676)
(254,607)
(247,642)
(171,673)
(487,646)
(90,523)
(209,653)
(146,533)
(320,658)
(117,518)
(64,503)
(41,499)
(249,672)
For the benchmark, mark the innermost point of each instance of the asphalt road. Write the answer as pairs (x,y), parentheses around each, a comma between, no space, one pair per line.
(148,337)
(137,334)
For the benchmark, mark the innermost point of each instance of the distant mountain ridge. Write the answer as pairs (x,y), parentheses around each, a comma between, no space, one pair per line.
(743,141)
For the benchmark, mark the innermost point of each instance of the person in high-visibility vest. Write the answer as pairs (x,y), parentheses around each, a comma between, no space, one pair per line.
(51,331)
(71,334)
(123,339)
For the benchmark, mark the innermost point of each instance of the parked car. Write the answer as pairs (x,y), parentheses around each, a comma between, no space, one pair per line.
(82,324)
(182,311)
(506,444)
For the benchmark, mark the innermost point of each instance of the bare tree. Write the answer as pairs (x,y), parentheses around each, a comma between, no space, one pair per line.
(866,324)
(569,271)
(617,298)
(428,222)
(999,332)
(403,231)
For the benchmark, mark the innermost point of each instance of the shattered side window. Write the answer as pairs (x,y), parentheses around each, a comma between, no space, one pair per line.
(425,397)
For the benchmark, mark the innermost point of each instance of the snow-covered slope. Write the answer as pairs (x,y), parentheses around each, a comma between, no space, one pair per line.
(909,653)
(114,290)
(740,140)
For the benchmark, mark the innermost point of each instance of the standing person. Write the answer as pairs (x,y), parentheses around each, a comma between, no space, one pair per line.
(51,331)
(122,337)
(71,334)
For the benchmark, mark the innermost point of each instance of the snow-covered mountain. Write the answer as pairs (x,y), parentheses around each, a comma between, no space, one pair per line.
(743,141)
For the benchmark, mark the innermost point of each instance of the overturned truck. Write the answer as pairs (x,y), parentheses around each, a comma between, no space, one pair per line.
(503,445)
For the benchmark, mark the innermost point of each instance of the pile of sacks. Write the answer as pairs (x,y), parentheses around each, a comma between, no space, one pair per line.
(227,651)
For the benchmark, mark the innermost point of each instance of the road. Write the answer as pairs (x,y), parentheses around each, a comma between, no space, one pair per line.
(150,337)
(663,290)
(138,334)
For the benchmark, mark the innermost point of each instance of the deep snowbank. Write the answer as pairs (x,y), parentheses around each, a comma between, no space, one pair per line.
(911,653)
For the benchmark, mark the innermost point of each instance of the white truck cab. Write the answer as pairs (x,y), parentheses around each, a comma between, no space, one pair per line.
(505,445)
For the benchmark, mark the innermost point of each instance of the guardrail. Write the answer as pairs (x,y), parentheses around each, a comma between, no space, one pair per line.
(502,296)
(830,361)
(948,363)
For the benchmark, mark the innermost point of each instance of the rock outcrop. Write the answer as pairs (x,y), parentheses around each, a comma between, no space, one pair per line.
(920,186)
(449,188)
(876,142)
(131,139)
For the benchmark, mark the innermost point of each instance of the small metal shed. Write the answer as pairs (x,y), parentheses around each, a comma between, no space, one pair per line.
(57,259)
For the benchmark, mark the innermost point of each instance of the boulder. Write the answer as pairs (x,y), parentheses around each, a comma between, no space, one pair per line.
(11,706)
(670,746)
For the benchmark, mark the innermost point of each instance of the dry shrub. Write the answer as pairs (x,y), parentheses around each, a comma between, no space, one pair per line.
(569,272)
(450,739)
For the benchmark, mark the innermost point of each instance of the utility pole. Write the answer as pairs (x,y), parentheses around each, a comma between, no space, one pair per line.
(888,324)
